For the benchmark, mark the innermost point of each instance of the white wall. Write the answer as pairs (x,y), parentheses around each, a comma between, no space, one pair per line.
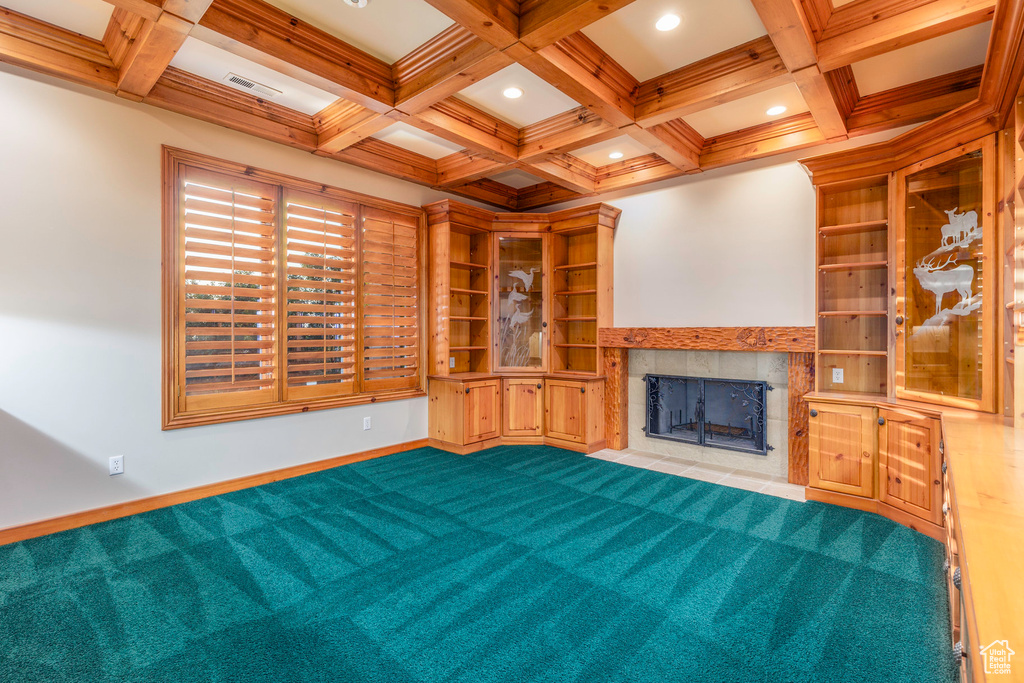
(80,308)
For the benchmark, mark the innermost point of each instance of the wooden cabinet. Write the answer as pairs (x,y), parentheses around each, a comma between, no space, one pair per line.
(843,448)
(464,413)
(523,407)
(483,410)
(909,463)
(573,410)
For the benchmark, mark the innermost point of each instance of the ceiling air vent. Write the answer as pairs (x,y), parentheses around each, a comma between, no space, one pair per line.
(251,85)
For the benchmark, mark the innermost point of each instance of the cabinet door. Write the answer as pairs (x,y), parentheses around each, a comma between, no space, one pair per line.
(565,404)
(523,407)
(483,417)
(843,448)
(909,463)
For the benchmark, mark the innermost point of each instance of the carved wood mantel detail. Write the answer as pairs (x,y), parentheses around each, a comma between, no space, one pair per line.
(798,342)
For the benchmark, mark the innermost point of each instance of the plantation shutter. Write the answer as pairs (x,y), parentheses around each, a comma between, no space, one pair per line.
(320,279)
(228,322)
(390,295)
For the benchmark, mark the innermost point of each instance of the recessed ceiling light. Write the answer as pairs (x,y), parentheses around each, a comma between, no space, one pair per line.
(775,111)
(667,22)
(615,155)
(356,3)
(512,93)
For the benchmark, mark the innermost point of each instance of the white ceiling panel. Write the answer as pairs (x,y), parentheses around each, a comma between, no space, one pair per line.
(405,136)
(202,59)
(597,154)
(747,111)
(707,28)
(517,179)
(387,29)
(935,57)
(88,17)
(540,100)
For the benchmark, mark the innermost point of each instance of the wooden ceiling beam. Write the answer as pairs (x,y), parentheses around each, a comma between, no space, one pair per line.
(203,99)
(147,9)
(494,21)
(822,102)
(268,36)
(842,46)
(914,103)
(343,123)
(464,167)
(441,67)
(757,142)
(637,171)
(488,191)
(463,124)
(382,157)
(674,141)
(583,71)
(564,170)
(49,49)
(143,48)
(743,70)
(564,132)
(544,22)
(543,194)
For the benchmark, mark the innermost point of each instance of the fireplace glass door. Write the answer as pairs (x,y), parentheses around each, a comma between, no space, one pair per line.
(944,329)
(520,316)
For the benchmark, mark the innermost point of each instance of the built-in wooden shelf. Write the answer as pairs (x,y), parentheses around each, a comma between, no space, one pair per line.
(467,265)
(576,292)
(467,317)
(577,266)
(576,319)
(828,314)
(454,290)
(856,265)
(576,346)
(851,352)
(467,348)
(850,228)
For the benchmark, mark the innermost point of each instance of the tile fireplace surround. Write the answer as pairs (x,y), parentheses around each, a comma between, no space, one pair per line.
(781,356)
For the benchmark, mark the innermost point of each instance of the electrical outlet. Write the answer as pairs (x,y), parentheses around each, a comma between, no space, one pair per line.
(366,423)
(451,362)
(116,465)
(837,375)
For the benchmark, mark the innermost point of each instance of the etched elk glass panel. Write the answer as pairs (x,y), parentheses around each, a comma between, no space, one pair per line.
(946,227)
(520,319)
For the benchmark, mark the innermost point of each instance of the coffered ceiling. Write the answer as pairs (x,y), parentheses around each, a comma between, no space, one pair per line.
(417,88)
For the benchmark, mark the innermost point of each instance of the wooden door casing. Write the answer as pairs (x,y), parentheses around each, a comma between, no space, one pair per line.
(482,406)
(565,409)
(843,448)
(523,407)
(909,463)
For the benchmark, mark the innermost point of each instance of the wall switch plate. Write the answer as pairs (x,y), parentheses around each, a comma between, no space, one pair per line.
(837,375)
(366,423)
(451,362)
(116,464)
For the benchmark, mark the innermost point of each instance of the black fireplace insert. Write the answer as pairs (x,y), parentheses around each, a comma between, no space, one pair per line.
(721,413)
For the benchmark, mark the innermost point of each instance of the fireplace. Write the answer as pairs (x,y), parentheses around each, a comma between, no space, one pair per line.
(720,413)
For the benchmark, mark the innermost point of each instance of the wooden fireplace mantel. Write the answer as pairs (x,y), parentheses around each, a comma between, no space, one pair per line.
(798,342)
(785,339)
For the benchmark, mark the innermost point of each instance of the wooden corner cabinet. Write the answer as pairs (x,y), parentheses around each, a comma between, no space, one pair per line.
(515,303)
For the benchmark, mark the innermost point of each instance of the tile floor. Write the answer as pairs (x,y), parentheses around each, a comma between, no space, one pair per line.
(726,476)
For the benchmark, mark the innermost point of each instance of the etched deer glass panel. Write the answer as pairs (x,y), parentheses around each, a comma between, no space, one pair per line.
(520,333)
(945,231)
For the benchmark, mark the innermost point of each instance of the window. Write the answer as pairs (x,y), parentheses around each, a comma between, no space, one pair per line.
(282,295)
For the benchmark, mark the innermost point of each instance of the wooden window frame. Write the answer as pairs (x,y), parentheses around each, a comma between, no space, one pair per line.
(173,414)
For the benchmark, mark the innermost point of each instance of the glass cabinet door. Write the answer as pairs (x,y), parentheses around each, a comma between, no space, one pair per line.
(520,316)
(945,322)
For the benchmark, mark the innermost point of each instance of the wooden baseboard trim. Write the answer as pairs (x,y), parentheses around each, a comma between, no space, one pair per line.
(133,507)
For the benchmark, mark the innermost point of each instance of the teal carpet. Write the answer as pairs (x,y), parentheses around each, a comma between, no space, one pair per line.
(513,564)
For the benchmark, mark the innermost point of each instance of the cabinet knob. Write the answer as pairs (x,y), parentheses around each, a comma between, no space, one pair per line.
(956,578)
(539,385)
(814,413)
(544,324)
(881,420)
(899,320)
(583,390)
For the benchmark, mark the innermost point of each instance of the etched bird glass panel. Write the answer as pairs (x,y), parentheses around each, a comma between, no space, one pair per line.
(520,332)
